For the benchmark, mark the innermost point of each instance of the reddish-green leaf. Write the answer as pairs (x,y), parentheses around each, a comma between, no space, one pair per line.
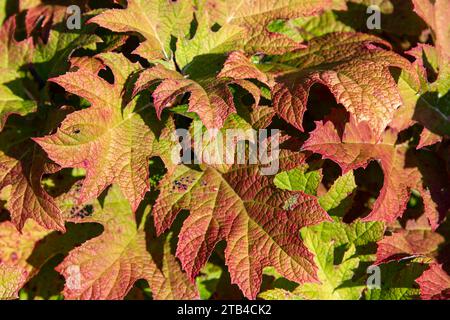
(14,97)
(112,143)
(106,267)
(352,146)
(259,222)
(11,281)
(353,66)
(434,283)
(22,165)
(408,244)
(211,98)
(254,17)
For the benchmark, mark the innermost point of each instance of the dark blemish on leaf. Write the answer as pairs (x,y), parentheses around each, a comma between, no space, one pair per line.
(80,213)
(179,185)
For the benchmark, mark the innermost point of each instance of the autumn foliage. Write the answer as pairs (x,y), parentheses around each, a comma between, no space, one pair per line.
(93,205)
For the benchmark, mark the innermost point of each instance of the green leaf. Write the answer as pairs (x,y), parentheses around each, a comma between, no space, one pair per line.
(397,282)
(15,98)
(338,279)
(208,280)
(339,191)
(307,28)
(279,294)
(50,59)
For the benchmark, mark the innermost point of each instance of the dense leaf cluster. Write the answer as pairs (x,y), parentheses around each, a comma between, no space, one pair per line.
(94,206)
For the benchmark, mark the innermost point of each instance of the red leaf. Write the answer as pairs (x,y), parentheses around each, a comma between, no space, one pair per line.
(353,146)
(107,266)
(210,98)
(259,222)
(352,65)
(434,283)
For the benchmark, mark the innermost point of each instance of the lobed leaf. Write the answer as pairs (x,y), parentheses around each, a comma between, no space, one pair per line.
(259,223)
(111,142)
(353,146)
(353,66)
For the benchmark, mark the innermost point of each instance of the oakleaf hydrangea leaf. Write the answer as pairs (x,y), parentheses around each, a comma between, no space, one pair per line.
(14,53)
(338,250)
(224,150)
(353,66)
(211,98)
(434,283)
(397,18)
(397,282)
(428,138)
(50,58)
(298,179)
(112,144)
(14,97)
(413,241)
(31,249)
(255,16)
(279,294)
(242,26)
(169,282)
(307,28)
(11,281)
(10,103)
(341,189)
(155,20)
(16,248)
(352,146)
(436,15)
(259,222)
(205,42)
(106,267)
(432,107)
(331,276)
(22,166)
